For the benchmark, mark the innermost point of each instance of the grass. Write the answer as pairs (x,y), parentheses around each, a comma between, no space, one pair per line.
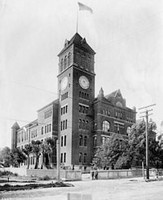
(8,187)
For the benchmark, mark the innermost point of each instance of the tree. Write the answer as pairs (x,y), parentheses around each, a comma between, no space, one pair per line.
(125,152)
(109,154)
(36,150)
(51,151)
(5,156)
(17,156)
(137,143)
(48,150)
(27,150)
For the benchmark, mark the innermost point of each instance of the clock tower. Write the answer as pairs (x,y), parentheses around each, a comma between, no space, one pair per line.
(76,88)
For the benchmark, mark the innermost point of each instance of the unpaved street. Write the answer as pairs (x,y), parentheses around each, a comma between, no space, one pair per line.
(121,189)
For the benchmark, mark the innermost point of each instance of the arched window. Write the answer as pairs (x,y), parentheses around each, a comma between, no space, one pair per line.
(106,126)
(80,140)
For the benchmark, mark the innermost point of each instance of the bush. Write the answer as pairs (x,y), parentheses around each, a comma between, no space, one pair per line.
(7,173)
(45,178)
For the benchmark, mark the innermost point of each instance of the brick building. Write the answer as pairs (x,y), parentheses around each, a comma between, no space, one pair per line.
(83,121)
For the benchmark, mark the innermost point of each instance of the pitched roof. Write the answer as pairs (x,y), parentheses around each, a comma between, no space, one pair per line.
(15,125)
(114,94)
(77,40)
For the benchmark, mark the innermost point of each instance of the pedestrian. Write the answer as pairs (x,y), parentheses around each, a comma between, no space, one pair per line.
(92,173)
(96,174)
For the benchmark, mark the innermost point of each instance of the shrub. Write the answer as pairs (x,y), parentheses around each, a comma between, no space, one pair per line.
(45,178)
(5,173)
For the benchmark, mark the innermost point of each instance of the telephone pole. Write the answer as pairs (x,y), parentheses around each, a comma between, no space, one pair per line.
(58,140)
(146,111)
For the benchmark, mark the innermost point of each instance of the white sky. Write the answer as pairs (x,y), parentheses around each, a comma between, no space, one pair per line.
(127,36)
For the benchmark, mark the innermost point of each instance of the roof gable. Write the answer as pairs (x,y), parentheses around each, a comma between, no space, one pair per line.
(78,41)
(115,94)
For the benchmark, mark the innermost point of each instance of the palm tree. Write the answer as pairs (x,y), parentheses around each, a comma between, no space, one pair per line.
(50,149)
(36,149)
(27,150)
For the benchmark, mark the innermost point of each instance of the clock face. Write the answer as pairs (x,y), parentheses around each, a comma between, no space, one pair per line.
(84,82)
(64,83)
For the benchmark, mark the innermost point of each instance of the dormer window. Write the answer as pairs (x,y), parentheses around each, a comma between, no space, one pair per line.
(66,43)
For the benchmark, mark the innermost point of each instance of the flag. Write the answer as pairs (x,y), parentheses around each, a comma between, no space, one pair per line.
(84,7)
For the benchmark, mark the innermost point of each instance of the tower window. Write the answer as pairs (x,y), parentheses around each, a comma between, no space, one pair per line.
(85,141)
(69,58)
(65,62)
(80,140)
(80,157)
(85,158)
(61,65)
(80,123)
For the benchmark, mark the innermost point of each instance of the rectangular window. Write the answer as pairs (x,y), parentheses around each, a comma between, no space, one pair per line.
(65,140)
(64,157)
(63,124)
(62,141)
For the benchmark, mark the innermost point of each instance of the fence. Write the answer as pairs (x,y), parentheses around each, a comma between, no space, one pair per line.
(131,173)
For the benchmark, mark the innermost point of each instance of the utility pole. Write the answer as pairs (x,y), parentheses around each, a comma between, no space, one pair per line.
(58,141)
(146,131)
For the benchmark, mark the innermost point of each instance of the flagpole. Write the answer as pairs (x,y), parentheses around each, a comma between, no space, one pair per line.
(77,21)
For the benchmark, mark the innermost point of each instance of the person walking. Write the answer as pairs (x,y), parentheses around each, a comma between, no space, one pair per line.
(92,173)
(96,175)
